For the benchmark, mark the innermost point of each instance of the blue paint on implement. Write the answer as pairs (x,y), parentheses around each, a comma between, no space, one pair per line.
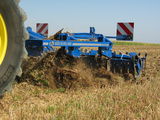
(73,43)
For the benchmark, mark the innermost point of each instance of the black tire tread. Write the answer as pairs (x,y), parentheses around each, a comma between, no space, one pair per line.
(8,85)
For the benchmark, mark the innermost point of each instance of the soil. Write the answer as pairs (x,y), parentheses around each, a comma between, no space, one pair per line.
(58,70)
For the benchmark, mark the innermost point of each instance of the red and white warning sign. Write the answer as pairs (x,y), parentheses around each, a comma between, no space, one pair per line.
(42,28)
(125,29)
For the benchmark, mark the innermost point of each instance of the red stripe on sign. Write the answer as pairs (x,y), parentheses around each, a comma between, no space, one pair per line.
(38,25)
(118,33)
(42,28)
(132,25)
(46,32)
(125,28)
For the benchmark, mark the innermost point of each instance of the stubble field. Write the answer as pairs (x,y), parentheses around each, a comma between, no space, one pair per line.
(103,99)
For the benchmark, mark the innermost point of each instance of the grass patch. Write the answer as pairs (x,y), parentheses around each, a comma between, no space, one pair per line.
(132,43)
(58,90)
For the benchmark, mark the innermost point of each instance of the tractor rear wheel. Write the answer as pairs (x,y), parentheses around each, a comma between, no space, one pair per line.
(11,42)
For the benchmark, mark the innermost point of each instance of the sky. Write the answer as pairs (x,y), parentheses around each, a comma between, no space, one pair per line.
(79,15)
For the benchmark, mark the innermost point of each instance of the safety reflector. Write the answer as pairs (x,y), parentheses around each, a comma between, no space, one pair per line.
(42,28)
(125,31)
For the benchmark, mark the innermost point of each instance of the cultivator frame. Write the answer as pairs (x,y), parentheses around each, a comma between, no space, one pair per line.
(73,43)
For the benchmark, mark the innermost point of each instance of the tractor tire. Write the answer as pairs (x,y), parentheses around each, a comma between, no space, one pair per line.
(13,18)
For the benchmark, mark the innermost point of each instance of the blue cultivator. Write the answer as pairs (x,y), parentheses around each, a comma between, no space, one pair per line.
(73,44)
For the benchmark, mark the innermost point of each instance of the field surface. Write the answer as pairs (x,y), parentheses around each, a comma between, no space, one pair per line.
(111,98)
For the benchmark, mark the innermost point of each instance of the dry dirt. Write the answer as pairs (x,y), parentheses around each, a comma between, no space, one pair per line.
(60,87)
(57,70)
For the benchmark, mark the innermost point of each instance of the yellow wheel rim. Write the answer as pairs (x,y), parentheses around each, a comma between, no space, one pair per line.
(3,39)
